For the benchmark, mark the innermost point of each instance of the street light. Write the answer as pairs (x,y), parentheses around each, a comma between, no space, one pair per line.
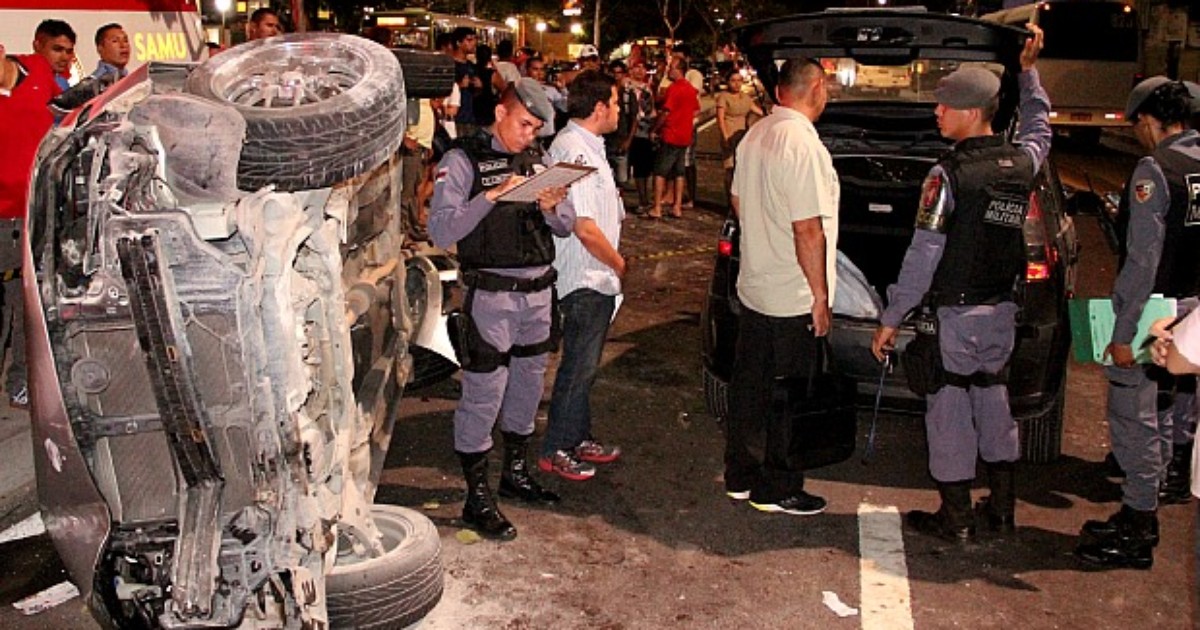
(541,29)
(576,29)
(223,7)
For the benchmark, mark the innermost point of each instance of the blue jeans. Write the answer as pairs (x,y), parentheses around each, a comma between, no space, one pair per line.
(585,318)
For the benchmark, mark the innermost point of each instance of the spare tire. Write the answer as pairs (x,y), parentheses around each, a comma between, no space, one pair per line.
(320,108)
(396,589)
(426,74)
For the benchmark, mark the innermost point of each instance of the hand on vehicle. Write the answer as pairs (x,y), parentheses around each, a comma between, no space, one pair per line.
(822,317)
(1121,353)
(512,182)
(551,197)
(1033,46)
(1162,341)
(883,342)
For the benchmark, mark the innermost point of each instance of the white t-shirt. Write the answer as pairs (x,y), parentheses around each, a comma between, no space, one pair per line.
(784,174)
(508,71)
(1185,336)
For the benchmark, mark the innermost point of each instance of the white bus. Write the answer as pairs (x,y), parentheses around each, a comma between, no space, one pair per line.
(1090,61)
(159,30)
(415,27)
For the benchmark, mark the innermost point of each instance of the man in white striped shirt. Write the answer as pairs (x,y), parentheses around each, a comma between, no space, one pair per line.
(589,278)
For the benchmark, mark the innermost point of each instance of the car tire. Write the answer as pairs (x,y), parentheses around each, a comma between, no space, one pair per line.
(396,589)
(350,120)
(426,74)
(1041,435)
(716,396)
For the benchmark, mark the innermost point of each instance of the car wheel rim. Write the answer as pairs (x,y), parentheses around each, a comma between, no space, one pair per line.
(392,533)
(291,74)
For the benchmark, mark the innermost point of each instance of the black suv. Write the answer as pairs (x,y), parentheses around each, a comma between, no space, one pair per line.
(883,147)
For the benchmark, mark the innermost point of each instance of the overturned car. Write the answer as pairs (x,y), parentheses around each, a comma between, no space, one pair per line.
(219,312)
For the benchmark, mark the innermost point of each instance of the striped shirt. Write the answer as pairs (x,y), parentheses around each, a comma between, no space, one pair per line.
(594,197)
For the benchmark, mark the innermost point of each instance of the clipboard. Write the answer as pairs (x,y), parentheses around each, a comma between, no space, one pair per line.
(1092,323)
(562,175)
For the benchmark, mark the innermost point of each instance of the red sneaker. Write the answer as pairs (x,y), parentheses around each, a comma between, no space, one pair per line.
(565,464)
(597,453)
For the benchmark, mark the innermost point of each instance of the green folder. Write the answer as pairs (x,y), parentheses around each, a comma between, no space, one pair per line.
(1092,322)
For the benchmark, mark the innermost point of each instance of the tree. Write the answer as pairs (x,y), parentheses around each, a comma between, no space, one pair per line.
(672,13)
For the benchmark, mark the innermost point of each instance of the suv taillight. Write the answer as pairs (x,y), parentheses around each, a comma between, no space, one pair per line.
(1039,256)
(725,248)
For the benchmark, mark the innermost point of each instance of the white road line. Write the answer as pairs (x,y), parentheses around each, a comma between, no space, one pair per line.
(706,125)
(886,602)
(28,528)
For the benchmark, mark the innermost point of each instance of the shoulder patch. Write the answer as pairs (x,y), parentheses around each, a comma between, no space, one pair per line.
(1143,190)
(1192,183)
(931,214)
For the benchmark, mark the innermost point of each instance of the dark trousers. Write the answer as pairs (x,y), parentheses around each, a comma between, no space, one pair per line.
(586,315)
(768,348)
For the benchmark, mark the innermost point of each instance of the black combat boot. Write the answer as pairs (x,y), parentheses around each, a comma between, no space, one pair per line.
(1131,545)
(1177,487)
(997,511)
(1100,530)
(954,521)
(515,480)
(480,512)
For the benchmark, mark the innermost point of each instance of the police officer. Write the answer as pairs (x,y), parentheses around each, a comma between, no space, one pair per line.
(965,259)
(1161,254)
(505,250)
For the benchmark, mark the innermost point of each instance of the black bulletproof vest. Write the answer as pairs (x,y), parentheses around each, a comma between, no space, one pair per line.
(1178,272)
(985,247)
(512,234)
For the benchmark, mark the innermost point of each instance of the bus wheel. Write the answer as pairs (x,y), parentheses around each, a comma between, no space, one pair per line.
(320,108)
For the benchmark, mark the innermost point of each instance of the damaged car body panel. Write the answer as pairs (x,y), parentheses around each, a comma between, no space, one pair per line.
(215,371)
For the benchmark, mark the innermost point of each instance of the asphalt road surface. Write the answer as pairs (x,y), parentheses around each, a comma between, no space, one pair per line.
(652,542)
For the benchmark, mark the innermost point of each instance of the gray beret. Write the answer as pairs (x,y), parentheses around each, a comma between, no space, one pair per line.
(533,96)
(968,88)
(1140,93)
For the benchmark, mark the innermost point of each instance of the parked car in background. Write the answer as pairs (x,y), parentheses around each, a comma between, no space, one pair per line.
(220,310)
(882,149)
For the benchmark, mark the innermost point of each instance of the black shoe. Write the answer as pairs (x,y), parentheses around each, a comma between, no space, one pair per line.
(954,521)
(996,512)
(801,504)
(480,512)
(994,520)
(515,481)
(530,491)
(1130,546)
(1116,555)
(1100,530)
(1177,487)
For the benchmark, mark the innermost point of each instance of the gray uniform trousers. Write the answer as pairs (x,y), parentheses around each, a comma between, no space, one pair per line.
(1142,434)
(965,424)
(511,393)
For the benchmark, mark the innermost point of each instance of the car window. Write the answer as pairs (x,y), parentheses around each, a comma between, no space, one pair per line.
(850,80)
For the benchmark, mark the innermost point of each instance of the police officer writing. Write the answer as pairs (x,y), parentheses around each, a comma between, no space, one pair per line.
(1161,254)
(966,258)
(505,250)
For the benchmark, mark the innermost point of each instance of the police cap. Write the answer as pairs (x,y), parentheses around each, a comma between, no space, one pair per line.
(968,88)
(1140,93)
(533,96)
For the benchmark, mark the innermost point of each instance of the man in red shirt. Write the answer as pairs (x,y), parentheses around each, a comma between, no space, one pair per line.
(27,83)
(681,102)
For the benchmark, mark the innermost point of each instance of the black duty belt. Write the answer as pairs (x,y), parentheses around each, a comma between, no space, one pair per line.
(971,298)
(487,281)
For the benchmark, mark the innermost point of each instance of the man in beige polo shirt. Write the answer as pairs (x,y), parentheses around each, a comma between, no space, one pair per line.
(785,192)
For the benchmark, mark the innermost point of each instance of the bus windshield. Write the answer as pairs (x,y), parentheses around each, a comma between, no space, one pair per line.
(1103,31)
